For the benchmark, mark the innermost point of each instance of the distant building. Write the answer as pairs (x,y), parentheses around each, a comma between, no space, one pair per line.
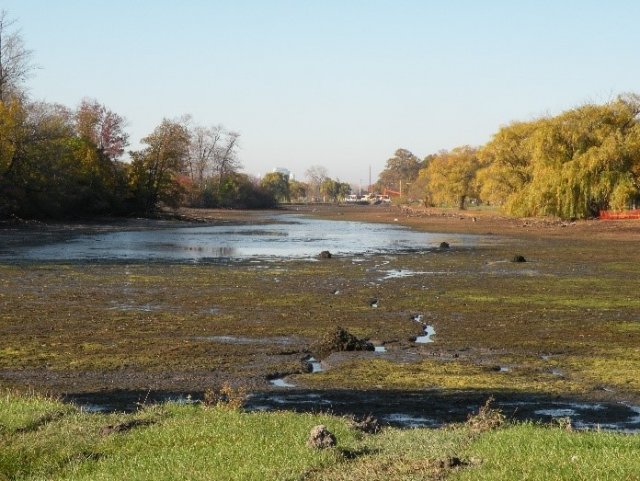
(285,172)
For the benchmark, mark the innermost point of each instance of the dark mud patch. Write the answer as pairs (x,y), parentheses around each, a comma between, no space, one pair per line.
(125,426)
(437,408)
(406,409)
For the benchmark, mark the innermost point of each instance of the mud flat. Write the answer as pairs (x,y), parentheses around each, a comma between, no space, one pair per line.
(565,322)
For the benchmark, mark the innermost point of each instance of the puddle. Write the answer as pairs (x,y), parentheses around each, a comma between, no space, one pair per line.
(135,307)
(280,382)
(316,366)
(401,273)
(556,413)
(408,421)
(279,340)
(429,332)
(94,408)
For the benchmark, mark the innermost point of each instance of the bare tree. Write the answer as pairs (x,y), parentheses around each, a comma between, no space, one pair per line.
(15,59)
(316,175)
(202,150)
(226,157)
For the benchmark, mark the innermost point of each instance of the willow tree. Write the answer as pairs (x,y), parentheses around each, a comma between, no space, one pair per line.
(451,176)
(506,164)
(277,184)
(572,165)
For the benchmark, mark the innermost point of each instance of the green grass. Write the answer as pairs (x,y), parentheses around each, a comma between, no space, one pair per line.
(42,439)
(363,374)
(534,453)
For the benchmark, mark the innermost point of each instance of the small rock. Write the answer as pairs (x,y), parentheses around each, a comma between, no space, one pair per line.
(444,245)
(373,303)
(518,258)
(321,438)
(325,255)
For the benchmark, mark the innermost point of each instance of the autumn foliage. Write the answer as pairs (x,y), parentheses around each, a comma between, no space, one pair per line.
(572,165)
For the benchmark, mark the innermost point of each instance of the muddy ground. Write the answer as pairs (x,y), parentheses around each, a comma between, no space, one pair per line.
(562,327)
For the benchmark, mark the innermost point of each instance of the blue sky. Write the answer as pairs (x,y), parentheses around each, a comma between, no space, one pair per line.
(335,83)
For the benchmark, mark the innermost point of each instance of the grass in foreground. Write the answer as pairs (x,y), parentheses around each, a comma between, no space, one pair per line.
(42,439)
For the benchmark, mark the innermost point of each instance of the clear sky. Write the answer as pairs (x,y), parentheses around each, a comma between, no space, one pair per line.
(338,83)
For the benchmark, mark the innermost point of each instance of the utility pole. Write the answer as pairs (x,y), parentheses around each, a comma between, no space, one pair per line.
(369,186)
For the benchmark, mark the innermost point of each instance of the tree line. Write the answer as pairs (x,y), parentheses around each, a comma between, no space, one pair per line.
(61,162)
(57,161)
(572,165)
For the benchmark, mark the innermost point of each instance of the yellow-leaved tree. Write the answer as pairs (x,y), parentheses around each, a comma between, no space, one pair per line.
(572,165)
(451,176)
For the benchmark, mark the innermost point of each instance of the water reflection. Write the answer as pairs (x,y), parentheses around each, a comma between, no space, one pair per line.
(288,236)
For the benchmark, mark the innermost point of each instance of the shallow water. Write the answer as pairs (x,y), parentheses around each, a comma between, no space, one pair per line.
(280,382)
(401,273)
(399,408)
(409,421)
(316,366)
(429,331)
(288,236)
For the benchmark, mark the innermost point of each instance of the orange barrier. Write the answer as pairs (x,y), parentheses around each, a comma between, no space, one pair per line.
(619,214)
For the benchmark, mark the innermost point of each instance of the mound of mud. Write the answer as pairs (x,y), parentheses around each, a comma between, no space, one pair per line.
(339,339)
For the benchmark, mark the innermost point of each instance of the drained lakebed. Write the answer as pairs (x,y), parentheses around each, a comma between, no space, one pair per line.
(113,320)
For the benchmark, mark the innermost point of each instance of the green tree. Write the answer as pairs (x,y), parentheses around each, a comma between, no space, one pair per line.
(277,184)
(155,170)
(401,168)
(298,190)
(241,192)
(334,189)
